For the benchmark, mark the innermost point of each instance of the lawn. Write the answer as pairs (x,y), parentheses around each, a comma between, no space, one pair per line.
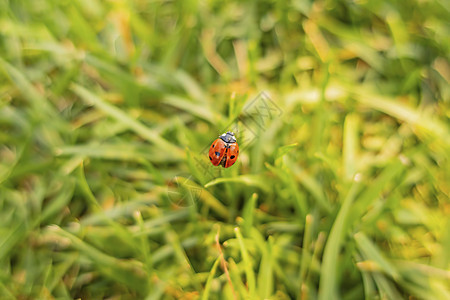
(341,111)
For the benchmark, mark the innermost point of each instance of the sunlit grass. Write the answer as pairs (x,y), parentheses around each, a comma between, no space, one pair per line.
(341,189)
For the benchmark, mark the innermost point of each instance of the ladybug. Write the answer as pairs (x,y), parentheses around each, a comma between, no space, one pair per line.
(224,151)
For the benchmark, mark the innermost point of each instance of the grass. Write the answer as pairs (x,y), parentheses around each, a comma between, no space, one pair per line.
(341,110)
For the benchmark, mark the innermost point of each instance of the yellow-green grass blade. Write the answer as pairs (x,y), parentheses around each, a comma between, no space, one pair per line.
(124,118)
(248,265)
(248,180)
(211,275)
(128,272)
(328,288)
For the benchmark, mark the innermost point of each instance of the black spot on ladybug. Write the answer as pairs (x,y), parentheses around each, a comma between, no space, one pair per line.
(213,145)
(217,154)
(210,158)
(232,156)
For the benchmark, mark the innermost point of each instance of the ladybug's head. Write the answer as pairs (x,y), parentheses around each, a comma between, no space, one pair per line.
(228,137)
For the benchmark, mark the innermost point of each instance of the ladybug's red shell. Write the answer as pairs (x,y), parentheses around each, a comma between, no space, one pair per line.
(232,154)
(224,151)
(217,152)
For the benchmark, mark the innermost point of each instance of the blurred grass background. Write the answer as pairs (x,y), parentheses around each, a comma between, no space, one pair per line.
(106,108)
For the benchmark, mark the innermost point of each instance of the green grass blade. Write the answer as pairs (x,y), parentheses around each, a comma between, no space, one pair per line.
(368,281)
(248,214)
(128,272)
(6,293)
(424,120)
(306,255)
(311,185)
(58,202)
(10,238)
(350,148)
(248,180)
(207,288)
(204,196)
(375,189)
(328,279)
(266,274)
(291,183)
(248,266)
(370,251)
(128,121)
(37,101)
(194,109)
(236,280)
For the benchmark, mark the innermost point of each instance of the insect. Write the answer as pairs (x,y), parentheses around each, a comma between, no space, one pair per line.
(224,151)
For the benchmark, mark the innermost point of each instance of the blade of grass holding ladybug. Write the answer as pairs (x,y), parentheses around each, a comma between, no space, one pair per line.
(328,281)
(248,266)
(211,275)
(131,123)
